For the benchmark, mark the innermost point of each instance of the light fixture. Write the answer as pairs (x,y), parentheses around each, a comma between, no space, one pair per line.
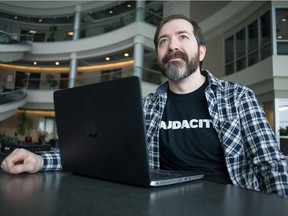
(34,63)
(40,112)
(283,108)
(62,69)
(32,32)
(110,12)
(126,54)
(284,19)
(107,58)
(15,17)
(71,33)
(57,63)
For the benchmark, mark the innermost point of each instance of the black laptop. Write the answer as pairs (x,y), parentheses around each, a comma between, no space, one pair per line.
(101,132)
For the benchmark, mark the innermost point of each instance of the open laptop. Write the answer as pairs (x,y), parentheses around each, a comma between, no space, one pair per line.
(101,132)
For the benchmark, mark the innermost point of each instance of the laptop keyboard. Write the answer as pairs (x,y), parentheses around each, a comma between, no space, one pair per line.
(163,174)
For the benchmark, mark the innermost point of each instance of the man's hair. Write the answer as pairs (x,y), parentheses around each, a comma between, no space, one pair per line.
(197,30)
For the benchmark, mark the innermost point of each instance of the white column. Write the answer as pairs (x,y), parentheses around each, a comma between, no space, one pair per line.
(139,41)
(138,55)
(73,70)
(73,56)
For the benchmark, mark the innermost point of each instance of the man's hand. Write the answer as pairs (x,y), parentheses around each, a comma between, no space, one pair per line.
(20,161)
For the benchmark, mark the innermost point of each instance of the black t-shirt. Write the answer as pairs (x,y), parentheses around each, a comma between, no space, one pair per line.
(188,140)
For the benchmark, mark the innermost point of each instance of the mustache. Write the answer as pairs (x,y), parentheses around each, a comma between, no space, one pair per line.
(176,54)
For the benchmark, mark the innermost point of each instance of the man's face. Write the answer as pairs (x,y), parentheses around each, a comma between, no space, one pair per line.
(178,51)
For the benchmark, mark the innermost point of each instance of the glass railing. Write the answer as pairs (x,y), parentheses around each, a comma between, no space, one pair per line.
(12,95)
(55,82)
(87,29)
(12,38)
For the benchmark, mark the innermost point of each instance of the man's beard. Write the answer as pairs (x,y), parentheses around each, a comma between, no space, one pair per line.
(176,70)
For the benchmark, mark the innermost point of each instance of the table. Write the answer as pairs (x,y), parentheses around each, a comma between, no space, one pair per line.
(61,193)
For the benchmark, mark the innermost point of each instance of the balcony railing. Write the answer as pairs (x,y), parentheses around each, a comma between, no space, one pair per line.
(12,38)
(50,81)
(87,29)
(12,96)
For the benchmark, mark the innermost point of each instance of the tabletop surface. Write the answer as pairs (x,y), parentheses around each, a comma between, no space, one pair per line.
(61,193)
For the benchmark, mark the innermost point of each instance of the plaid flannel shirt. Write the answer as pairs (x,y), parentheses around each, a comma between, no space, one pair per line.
(51,160)
(251,151)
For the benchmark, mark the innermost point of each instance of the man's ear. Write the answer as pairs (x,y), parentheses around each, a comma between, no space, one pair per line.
(202,52)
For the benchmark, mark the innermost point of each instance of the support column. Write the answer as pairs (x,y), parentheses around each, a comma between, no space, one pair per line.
(73,56)
(73,70)
(138,55)
(139,41)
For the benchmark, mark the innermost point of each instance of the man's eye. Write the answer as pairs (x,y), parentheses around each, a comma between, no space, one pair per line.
(183,37)
(162,41)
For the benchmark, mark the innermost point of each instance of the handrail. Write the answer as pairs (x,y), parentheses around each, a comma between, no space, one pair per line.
(54,82)
(96,27)
(8,37)
(13,95)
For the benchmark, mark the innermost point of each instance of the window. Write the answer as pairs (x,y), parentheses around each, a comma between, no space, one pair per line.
(47,126)
(250,45)
(229,55)
(266,41)
(22,78)
(282,31)
(281,122)
(253,43)
(241,50)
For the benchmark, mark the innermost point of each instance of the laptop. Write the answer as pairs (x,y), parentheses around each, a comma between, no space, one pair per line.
(101,131)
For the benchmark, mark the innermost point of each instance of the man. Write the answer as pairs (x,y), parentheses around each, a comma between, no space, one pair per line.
(196,122)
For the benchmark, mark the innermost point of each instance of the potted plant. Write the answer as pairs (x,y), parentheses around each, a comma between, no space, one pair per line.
(51,80)
(4,138)
(25,126)
(52,30)
(41,136)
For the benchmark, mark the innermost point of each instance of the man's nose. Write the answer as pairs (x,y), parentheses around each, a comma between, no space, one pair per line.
(173,45)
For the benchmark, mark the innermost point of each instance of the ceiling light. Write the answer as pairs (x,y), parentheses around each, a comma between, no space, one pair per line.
(107,58)
(32,32)
(129,5)
(57,63)
(283,108)
(110,11)
(15,17)
(70,33)
(284,19)
(34,63)
(126,54)
(279,36)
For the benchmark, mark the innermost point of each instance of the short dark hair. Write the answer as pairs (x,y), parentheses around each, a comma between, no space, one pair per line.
(197,30)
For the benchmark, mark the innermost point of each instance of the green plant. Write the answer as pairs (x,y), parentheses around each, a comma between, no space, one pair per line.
(51,80)
(52,30)
(25,124)
(4,138)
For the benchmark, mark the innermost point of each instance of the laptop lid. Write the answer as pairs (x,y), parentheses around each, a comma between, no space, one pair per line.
(101,131)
